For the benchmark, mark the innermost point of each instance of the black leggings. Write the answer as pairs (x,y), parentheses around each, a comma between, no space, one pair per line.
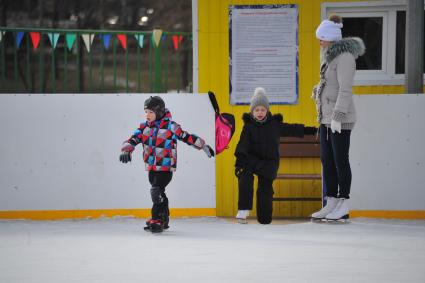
(334,148)
(264,196)
(158,181)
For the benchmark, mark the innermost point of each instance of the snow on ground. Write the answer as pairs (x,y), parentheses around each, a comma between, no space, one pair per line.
(212,250)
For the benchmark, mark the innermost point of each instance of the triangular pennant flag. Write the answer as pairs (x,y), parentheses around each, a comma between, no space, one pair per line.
(35,38)
(123,40)
(176,40)
(88,40)
(53,39)
(18,37)
(1,35)
(139,38)
(106,38)
(156,36)
(163,37)
(70,38)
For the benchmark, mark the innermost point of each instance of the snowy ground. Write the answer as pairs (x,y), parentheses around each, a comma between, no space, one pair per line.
(212,250)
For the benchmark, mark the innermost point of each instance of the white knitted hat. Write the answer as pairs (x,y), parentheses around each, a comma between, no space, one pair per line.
(259,98)
(329,31)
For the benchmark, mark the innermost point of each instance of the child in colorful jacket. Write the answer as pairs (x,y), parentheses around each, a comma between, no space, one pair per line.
(159,135)
(257,153)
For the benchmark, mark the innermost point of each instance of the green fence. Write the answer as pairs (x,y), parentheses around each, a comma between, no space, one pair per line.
(93,61)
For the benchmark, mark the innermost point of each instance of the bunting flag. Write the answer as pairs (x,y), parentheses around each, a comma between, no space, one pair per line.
(176,40)
(88,40)
(70,39)
(156,36)
(106,38)
(123,40)
(18,37)
(54,39)
(1,35)
(139,38)
(35,38)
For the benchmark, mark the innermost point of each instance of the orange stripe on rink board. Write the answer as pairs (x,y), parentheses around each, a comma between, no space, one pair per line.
(393,214)
(92,213)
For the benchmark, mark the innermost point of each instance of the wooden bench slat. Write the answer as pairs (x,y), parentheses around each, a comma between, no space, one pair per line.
(299,176)
(293,147)
(299,150)
(297,199)
(305,139)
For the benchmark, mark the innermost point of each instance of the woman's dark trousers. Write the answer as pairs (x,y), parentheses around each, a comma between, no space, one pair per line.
(334,149)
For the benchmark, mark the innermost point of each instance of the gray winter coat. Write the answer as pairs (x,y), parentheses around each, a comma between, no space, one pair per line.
(333,95)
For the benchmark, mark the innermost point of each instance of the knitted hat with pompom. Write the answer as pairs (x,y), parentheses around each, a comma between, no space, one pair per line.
(259,98)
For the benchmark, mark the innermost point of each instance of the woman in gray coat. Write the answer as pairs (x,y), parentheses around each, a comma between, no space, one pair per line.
(336,113)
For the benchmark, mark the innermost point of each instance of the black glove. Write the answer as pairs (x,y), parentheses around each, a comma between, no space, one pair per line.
(310,131)
(238,171)
(125,157)
(208,150)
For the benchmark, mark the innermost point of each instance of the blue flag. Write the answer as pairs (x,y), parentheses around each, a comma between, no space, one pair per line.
(106,40)
(18,36)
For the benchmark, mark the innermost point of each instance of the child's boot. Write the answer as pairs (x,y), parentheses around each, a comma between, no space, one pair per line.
(154,226)
(242,215)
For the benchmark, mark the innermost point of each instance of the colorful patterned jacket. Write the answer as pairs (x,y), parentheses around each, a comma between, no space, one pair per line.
(159,139)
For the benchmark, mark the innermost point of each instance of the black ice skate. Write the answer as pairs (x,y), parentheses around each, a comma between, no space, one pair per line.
(154,226)
(165,223)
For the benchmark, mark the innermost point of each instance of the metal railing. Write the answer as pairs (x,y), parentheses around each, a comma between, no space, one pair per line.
(69,60)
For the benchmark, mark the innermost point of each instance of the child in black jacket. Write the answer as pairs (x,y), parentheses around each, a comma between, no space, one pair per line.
(257,153)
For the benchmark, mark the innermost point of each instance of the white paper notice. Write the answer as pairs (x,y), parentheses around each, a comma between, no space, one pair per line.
(264,53)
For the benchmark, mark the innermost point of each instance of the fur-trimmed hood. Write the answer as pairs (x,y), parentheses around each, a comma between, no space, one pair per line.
(247,118)
(353,45)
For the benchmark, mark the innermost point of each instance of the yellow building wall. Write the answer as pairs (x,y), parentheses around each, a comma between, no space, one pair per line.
(213,46)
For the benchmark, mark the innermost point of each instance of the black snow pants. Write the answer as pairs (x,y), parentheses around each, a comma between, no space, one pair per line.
(264,196)
(158,181)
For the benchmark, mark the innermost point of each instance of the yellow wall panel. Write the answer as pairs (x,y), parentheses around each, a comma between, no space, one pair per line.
(214,75)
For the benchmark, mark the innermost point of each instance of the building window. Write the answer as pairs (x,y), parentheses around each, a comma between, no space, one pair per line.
(370,30)
(381,25)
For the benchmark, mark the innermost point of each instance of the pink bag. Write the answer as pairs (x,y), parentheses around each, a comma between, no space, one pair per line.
(224,126)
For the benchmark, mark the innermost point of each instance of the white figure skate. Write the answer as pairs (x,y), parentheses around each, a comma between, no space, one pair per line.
(242,215)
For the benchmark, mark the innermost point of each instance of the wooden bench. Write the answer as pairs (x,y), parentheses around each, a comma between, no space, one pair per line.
(306,147)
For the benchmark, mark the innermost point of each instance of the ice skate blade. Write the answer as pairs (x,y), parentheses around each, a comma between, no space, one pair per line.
(242,221)
(153,231)
(343,219)
(318,220)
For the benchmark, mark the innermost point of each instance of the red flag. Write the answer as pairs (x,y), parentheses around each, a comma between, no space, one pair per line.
(123,40)
(35,38)
(176,40)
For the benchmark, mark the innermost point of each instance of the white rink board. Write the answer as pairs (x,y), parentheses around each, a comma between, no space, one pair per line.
(387,153)
(60,151)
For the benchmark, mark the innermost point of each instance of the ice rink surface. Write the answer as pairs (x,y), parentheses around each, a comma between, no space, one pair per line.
(212,250)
